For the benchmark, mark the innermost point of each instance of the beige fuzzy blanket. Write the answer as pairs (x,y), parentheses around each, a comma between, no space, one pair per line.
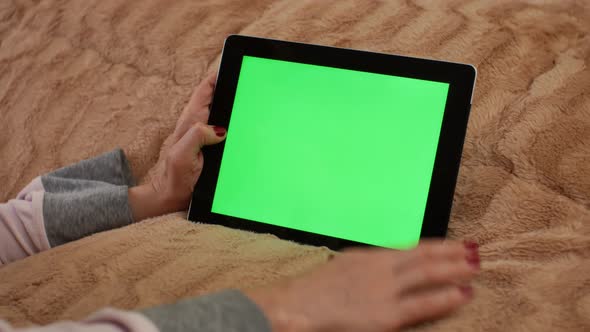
(78,78)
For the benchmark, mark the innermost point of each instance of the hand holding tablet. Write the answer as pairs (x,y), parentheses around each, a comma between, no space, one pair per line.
(333,147)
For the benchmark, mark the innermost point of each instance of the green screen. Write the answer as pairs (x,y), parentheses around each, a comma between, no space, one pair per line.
(337,152)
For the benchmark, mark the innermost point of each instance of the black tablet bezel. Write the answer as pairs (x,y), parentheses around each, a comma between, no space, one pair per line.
(461,79)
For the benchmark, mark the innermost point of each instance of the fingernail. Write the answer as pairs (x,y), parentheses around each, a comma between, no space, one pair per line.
(219,131)
(474,261)
(467,291)
(471,245)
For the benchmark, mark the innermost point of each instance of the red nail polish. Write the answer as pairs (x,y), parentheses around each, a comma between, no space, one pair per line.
(219,131)
(474,262)
(472,254)
(467,291)
(471,245)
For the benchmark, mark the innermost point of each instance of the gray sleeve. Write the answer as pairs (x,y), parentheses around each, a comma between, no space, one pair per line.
(227,311)
(111,167)
(87,197)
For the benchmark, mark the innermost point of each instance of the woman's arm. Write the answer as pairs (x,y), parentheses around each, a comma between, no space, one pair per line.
(361,290)
(65,205)
(98,194)
(106,320)
(219,312)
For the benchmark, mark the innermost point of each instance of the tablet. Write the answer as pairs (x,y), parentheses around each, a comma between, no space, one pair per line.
(333,147)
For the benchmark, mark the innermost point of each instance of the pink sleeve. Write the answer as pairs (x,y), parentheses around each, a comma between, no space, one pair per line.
(106,320)
(22,232)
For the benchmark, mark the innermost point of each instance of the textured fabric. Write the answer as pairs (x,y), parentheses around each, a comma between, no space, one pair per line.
(22,232)
(78,78)
(159,260)
(106,320)
(228,311)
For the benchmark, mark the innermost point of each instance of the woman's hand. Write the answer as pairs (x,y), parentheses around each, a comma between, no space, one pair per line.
(181,160)
(375,290)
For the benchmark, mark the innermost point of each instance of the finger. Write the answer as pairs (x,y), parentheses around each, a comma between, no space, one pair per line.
(436,273)
(432,250)
(200,135)
(432,304)
(197,109)
(204,91)
(211,78)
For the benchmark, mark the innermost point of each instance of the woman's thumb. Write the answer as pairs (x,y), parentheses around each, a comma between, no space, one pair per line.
(200,135)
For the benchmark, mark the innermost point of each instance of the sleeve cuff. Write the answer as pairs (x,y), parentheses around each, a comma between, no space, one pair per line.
(111,167)
(69,216)
(225,311)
